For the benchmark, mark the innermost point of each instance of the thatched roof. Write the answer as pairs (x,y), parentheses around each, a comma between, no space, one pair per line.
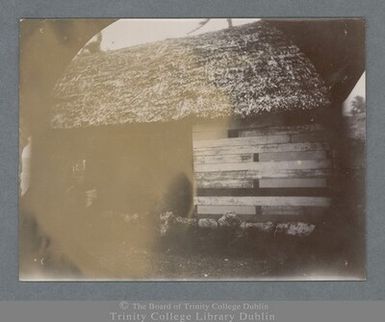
(241,71)
(335,46)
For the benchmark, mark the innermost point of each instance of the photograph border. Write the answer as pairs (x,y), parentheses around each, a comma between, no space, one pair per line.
(308,117)
(372,289)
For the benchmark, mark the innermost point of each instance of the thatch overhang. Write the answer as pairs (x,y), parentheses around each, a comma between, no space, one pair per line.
(335,46)
(240,72)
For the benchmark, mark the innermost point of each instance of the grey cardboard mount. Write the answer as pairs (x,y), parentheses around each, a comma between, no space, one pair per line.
(10,287)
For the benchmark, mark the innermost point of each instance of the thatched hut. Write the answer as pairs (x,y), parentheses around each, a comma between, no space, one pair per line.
(228,121)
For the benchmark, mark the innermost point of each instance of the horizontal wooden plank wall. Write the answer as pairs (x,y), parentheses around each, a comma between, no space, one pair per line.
(262,173)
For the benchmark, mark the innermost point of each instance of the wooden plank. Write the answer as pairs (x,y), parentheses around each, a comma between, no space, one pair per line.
(262,157)
(263,201)
(291,211)
(258,212)
(255,140)
(297,155)
(242,125)
(221,210)
(263,166)
(226,158)
(293,182)
(224,183)
(321,136)
(242,217)
(263,192)
(308,218)
(275,130)
(258,148)
(216,131)
(266,173)
(205,181)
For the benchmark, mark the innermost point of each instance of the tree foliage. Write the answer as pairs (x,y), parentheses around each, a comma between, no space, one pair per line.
(358,105)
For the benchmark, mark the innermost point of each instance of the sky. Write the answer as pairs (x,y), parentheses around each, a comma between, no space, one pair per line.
(131,32)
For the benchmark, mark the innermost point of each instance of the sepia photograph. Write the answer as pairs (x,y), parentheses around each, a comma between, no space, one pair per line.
(192,149)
